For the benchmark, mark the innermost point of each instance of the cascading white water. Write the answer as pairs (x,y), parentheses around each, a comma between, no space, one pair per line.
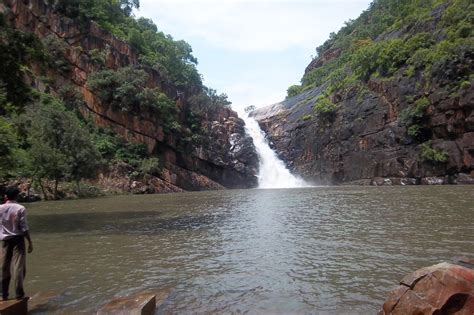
(272,171)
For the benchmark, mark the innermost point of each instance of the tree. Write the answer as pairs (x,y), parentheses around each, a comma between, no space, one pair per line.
(120,88)
(7,146)
(16,50)
(294,90)
(61,148)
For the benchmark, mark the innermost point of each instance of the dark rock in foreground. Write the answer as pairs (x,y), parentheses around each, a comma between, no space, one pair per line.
(14,307)
(440,289)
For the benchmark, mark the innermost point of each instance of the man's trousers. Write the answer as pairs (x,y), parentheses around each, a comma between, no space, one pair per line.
(13,264)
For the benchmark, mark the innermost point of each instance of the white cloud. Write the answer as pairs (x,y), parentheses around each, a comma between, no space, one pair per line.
(252,50)
(248,25)
(244,94)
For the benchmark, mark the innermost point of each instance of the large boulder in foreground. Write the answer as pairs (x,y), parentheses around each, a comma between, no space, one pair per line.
(441,289)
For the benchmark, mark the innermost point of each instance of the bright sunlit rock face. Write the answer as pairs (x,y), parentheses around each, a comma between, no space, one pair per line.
(272,171)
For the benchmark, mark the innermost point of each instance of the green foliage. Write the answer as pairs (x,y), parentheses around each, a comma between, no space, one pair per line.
(17,51)
(386,57)
(76,144)
(393,35)
(56,50)
(414,131)
(112,148)
(432,155)
(120,88)
(8,144)
(59,145)
(98,57)
(132,153)
(294,90)
(250,108)
(207,100)
(324,107)
(125,90)
(413,118)
(150,166)
(465,85)
(72,98)
(173,59)
(414,114)
(306,117)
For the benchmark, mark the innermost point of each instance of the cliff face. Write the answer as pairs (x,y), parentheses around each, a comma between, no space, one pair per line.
(365,143)
(224,158)
(365,138)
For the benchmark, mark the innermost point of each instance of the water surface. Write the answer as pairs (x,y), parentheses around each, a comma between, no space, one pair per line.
(336,250)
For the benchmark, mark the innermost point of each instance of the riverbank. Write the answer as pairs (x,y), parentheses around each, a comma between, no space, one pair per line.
(132,185)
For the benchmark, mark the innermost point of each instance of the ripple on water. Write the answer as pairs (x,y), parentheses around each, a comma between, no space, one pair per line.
(335,250)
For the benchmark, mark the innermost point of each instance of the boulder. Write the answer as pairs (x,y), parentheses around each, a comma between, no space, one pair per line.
(436,290)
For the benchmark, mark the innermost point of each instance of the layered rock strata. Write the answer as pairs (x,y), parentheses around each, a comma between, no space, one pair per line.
(225,158)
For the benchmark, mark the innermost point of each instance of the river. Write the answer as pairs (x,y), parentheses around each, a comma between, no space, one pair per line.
(325,250)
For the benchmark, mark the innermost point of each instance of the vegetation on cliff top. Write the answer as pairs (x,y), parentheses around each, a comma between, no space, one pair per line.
(430,39)
(392,34)
(44,136)
(414,35)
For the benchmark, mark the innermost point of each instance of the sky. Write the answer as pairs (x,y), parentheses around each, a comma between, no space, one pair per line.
(252,50)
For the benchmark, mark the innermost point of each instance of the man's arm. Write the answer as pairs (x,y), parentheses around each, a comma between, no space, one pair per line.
(24,227)
(28,238)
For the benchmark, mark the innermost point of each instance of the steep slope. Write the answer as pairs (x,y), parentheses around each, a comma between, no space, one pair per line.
(199,145)
(388,100)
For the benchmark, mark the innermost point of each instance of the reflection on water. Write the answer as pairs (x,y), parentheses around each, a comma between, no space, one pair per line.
(298,251)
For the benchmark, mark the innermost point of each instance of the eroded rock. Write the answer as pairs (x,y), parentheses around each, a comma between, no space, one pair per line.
(441,289)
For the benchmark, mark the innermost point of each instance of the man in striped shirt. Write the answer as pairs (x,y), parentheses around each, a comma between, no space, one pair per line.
(13,231)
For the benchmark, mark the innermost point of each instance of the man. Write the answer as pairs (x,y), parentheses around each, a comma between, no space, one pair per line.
(13,231)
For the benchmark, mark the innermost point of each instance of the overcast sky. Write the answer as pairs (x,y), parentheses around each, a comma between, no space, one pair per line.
(252,50)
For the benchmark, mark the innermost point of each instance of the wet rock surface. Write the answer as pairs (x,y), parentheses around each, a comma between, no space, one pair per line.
(440,289)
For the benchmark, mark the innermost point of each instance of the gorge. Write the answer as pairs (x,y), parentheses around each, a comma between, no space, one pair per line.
(387,101)
(97,102)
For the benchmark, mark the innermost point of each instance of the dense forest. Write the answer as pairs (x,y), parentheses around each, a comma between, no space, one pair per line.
(44,134)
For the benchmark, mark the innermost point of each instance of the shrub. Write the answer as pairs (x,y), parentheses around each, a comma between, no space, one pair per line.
(414,114)
(120,88)
(97,57)
(293,90)
(432,155)
(414,130)
(250,108)
(465,85)
(56,54)
(325,108)
(150,166)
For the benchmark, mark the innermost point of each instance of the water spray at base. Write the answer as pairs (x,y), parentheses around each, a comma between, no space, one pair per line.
(272,171)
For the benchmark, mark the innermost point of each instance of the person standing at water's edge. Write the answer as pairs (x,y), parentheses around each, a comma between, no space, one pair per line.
(14,230)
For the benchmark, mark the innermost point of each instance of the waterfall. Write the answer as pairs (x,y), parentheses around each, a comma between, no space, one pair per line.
(272,171)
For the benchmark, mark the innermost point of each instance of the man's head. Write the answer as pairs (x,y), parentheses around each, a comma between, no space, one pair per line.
(12,192)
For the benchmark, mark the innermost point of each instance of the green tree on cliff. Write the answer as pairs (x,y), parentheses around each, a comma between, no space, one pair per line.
(59,146)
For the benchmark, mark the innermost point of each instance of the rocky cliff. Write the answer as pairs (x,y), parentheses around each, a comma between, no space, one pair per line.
(224,157)
(405,125)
